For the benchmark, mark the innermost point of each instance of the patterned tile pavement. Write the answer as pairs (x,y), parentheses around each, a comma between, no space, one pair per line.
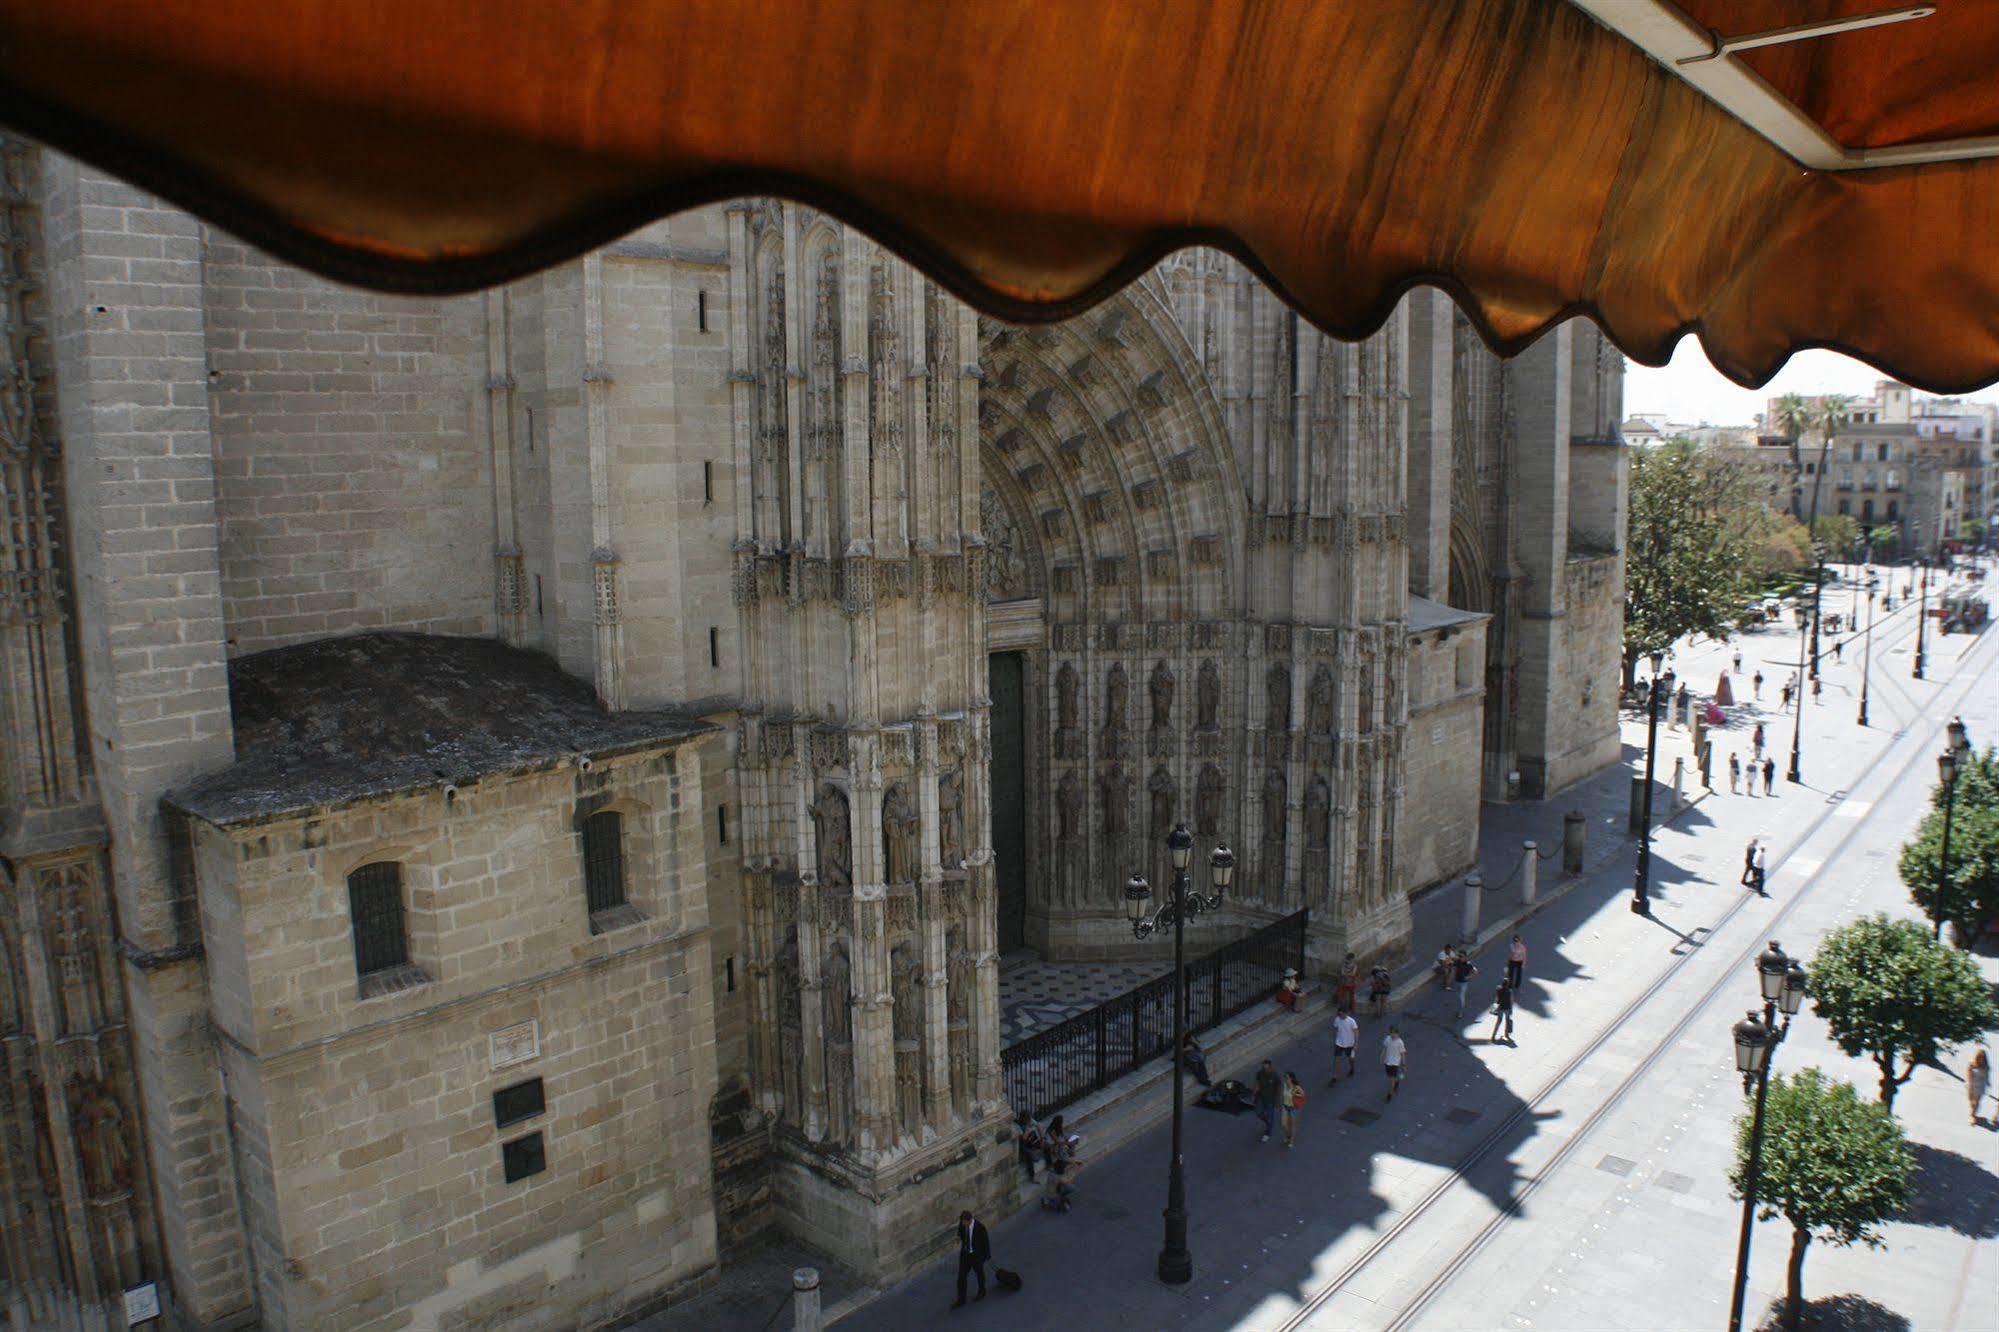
(1037,995)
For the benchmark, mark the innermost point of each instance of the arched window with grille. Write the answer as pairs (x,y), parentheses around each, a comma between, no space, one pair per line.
(604,861)
(375,908)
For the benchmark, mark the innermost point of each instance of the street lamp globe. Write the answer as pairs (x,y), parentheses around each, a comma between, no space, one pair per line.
(1221,868)
(1960,740)
(1181,843)
(1137,892)
(1796,983)
(1771,968)
(1947,766)
(1752,1045)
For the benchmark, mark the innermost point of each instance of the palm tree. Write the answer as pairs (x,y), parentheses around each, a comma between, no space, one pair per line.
(1832,413)
(1792,417)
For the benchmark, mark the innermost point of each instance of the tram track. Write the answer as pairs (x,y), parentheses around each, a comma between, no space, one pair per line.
(1968,675)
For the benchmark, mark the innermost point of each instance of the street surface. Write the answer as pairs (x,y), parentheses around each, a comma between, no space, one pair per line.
(1576,1179)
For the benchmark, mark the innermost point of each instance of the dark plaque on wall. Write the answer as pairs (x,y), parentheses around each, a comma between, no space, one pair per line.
(521,1101)
(523,1157)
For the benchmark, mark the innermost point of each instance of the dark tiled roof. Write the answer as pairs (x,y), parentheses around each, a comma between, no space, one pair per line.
(343,719)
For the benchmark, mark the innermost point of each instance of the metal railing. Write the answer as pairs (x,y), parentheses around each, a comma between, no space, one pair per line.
(1051,1068)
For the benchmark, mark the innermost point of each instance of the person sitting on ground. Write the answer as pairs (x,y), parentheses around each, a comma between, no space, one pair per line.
(1195,1060)
(1063,1166)
(1290,991)
(1028,1142)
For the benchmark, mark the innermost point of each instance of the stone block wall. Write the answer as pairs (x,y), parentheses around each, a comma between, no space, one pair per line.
(352,485)
(1437,827)
(1589,646)
(367,1148)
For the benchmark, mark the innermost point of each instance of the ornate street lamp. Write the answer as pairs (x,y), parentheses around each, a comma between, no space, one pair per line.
(1950,763)
(1922,613)
(1641,884)
(1176,1263)
(1867,660)
(1783,983)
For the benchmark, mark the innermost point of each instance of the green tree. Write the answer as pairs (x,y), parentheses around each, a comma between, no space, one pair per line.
(1884,539)
(1833,1165)
(1687,559)
(1779,544)
(1971,896)
(1886,989)
(1838,533)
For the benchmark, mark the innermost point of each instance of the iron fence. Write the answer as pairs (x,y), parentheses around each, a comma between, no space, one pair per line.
(1051,1068)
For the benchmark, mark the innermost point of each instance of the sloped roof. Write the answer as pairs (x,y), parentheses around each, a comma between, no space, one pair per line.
(326,723)
(1536,158)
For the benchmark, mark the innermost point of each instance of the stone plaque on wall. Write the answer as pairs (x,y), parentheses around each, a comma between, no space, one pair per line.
(516,1044)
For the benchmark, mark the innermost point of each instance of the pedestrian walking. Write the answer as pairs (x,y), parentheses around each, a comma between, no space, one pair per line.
(1977,1079)
(1756,739)
(1516,961)
(1749,864)
(1734,774)
(1347,986)
(1787,693)
(1502,1013)
(1346,1041)
(1393,1053)
(1756,684)
(975,1250)
(1268,1085)
(1738,663)
(1769,776)
(1462,971)
(1290,1100)
(1836,646)
(1195,1059)
(1379,984)
(1447,957)
(1818,686)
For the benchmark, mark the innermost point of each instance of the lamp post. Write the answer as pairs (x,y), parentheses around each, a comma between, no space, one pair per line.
(1949,763)
(1783,983)
(1867,658)
(1922,615)
(1176,1263)
(1641,897)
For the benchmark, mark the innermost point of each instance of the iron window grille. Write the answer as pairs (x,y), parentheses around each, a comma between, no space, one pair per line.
(604,861)
(375,906)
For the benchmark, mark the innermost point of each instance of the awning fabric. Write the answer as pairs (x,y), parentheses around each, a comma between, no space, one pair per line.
(1034,155)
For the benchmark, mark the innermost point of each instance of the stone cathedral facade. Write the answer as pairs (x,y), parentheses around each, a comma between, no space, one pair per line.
(508,797)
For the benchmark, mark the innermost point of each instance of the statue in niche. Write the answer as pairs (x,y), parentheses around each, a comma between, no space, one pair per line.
(1319,703)
(1006,562)
(1208,802)
(834,837)
(1162,788)
(1065,697)
(1365,722)
(1068,808)
(100,1140)
(1363,857)
(1277,690)
(903,977)
(1117,691)
(837,1021)
(1161,689)
(45,1144)
(1208,696)
(835,985)
(1318,813)
(1273,807)
(951,819)
(1115,787)
(899,835)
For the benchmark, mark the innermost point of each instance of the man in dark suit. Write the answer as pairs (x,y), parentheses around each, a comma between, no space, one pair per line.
(975,1248)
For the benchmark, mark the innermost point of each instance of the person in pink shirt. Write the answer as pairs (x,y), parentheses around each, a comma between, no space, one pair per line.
(1516,961)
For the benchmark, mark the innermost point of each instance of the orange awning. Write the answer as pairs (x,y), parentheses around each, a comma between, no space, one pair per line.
(1036,154)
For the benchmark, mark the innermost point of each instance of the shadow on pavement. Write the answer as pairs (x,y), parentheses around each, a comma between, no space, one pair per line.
(1953,1192)
(1838,1313)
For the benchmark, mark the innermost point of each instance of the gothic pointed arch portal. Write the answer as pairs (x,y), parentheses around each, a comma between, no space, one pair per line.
(1113,514)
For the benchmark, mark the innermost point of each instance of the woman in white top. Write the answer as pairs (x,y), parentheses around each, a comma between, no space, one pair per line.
(1393,1052)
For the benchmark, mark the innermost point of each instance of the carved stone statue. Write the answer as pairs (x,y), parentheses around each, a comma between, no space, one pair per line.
(951,820)
(899,835)
(1208,696)
(1115,789)
(1117,692)
(1208,802)
(1365,722)
(1273,807)
(1162,788)
(1006,562)
(1318,812)
(100,1141)
(1319,703)
(1068,807)
(1277,690)
(1065,697)
(834,837)
(1161,689)
(835,984)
